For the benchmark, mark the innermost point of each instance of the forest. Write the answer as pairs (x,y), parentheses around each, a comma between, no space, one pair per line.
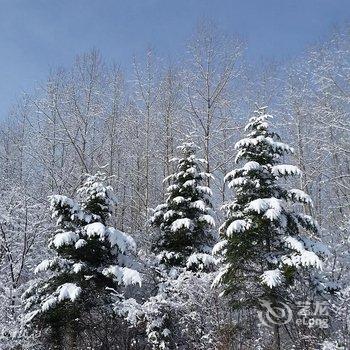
(197,202)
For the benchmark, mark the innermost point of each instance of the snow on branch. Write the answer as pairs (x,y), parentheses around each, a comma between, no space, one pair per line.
(219,277)
(123,275)
(208,219)
(285,170)
(181,223)
(205,189)
(263,140)
(65,238)
(96,229)
(272,278)
(123,241)
(249,166)
(219,247)
(199,204)
(200,261)
(299,196)
(237,226)
(294,244)
(68,291)
(271,207)
(51,264)
(307,222)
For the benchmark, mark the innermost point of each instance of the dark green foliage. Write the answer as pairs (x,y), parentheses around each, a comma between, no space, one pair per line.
(185,220)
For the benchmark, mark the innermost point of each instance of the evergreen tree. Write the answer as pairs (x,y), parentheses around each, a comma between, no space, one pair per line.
(183,244)
(185,220)
(267,242)
(90,260)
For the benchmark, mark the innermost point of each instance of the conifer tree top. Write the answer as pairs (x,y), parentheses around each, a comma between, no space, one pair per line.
(261,145)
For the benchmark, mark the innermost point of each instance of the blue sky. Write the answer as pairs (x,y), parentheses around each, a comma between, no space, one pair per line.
(39,35)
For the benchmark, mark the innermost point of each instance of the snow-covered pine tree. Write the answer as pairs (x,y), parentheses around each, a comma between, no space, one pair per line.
(91,259)
(185,220)
(183,244)
(267,242)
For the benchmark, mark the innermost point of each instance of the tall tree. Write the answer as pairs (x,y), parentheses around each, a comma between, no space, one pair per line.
(213,67)
(266,243)
(183,242)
